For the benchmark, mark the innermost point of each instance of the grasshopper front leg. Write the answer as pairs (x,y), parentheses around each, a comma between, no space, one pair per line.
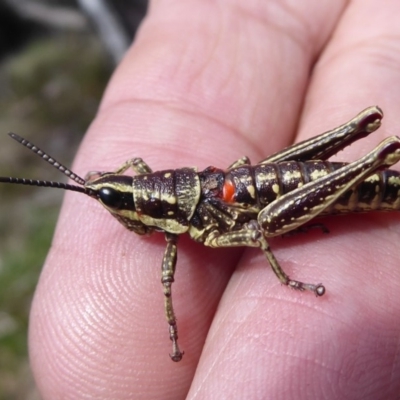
(168,270)
(137,164)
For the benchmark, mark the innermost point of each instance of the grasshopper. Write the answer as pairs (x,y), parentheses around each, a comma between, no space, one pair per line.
(243,205)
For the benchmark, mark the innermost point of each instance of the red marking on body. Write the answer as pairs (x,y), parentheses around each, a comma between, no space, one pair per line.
(228,192)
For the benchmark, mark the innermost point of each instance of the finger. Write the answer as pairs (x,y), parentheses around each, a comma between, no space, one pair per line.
(192,90)
(299,346)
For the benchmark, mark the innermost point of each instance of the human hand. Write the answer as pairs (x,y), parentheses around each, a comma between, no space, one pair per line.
(205,83)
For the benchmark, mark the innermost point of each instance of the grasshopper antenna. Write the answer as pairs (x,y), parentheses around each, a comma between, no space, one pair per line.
(54,163)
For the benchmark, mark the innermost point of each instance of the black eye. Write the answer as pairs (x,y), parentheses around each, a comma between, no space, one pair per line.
(110,197)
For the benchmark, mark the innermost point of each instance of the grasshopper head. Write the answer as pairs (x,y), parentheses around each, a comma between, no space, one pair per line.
(114,192)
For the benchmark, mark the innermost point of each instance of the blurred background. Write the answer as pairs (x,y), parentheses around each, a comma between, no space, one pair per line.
(56,57)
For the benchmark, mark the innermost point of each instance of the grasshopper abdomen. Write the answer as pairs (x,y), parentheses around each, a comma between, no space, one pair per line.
(260,185)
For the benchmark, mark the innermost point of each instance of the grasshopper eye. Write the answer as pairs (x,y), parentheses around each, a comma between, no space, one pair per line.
(111,197)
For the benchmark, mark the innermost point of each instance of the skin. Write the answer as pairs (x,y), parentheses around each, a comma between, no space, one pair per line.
(205,83)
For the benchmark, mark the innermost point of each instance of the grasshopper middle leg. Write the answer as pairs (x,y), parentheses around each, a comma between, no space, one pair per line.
(168,271)
(251,235)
